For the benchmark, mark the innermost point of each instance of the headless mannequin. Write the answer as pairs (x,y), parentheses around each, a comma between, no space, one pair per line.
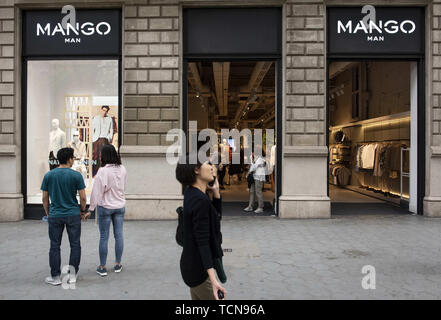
(57,140)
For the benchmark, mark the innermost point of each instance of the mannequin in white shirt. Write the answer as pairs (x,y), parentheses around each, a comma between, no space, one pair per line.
(102,134)
(57,140)
(80,153)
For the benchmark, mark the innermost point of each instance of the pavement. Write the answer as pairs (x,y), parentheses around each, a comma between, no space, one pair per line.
(270,258)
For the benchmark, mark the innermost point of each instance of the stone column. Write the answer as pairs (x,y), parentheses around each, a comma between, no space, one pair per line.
(151,106)
(304,156)
(11,199)
(432,199)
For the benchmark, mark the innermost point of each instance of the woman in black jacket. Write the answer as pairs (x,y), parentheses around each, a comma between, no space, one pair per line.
(202,233)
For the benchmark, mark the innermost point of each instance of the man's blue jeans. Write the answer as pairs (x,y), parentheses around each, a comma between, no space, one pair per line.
(56,228)
(116,216)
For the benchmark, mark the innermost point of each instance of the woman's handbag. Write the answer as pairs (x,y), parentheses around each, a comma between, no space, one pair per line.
(250,178)
(180,229)
(219,267)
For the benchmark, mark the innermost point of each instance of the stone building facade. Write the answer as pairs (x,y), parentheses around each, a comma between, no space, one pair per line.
(152,81)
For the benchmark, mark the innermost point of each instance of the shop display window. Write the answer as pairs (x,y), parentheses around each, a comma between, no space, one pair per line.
(70,103)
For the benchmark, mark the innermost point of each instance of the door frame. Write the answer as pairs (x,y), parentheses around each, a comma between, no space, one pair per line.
(278,105)
(421,121)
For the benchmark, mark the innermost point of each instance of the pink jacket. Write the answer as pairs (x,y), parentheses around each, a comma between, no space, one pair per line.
(108,188)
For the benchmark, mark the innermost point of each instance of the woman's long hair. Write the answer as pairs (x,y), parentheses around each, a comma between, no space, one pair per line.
(109,155)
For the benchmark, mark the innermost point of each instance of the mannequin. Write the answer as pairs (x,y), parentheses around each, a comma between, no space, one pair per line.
(78,146)
(79,153)
(57,140)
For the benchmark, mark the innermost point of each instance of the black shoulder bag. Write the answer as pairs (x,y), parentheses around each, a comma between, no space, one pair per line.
(180,229)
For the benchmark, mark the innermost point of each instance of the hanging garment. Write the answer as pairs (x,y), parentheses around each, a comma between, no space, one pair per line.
(344,175)
(357,159)
(368,156)
(394,161)
(384,159)
(377,169)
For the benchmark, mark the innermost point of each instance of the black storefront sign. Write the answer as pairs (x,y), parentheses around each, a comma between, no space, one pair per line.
(227,31)
(395,30)
(96,32)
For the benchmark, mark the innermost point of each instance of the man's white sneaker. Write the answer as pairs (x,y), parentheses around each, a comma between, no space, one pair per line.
(248,209)
(55,281)
(258,210)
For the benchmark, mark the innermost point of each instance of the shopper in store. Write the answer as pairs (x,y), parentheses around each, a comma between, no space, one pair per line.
(109,200)
(60,187)
(258,173)
(202,252)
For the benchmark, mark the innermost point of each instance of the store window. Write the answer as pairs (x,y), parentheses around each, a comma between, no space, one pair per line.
(376,106)
(70,103)
(71,91)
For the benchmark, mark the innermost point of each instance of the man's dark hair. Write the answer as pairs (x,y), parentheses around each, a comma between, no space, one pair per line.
(105,107)
(109,155)
(185,171)
(64,154)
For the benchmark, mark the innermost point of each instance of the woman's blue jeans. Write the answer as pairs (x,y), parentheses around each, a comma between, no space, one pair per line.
(105,216)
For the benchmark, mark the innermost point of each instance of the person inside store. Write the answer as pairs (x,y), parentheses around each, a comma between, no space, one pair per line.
(60,187)
(108,198)
(102,134)
(256,178)
(222,170)
(202,238)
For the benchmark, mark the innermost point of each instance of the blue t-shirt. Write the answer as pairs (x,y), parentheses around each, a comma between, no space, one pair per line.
(63,185)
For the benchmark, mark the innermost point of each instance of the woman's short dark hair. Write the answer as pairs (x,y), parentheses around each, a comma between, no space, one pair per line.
(109,155)
(64,154)
(105,107)
(185,171)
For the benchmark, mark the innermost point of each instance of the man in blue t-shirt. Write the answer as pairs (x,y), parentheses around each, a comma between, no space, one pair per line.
(61,185)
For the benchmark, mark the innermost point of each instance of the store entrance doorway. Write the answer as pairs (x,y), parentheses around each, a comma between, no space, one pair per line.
(227,95)
(373,136)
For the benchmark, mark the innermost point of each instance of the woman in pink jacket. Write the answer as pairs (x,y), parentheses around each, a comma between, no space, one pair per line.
(108,197)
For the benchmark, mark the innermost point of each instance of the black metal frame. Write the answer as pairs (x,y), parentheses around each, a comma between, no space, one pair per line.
(35,211)
(278,81)
(421,112)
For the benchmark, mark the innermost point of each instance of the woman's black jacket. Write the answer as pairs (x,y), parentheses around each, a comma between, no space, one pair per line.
(202,235)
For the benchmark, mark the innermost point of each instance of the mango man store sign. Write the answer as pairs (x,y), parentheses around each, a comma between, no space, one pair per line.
(375,30)
(91,32)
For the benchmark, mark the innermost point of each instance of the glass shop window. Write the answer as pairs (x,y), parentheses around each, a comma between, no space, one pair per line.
(70,103)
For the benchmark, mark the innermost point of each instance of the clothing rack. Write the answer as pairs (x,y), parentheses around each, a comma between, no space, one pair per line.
(403,174)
